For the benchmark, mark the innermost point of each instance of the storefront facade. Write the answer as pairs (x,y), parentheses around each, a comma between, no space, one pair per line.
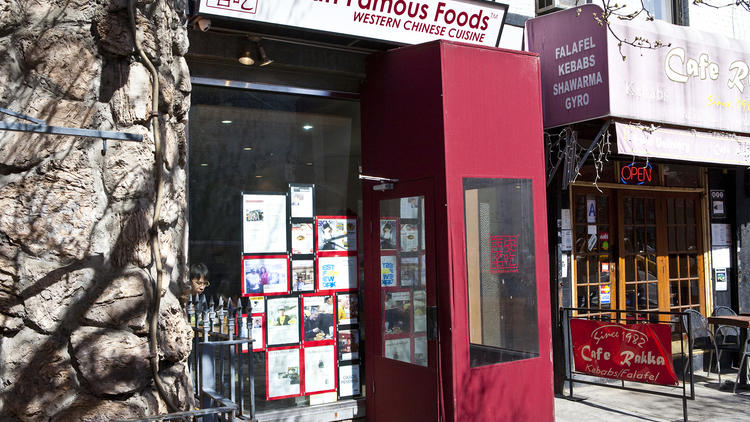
(646,149)
(275,114)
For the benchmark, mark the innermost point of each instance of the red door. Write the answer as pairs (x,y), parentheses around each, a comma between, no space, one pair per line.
(402,340)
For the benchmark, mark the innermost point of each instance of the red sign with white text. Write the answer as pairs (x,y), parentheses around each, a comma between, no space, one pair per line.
(630,352)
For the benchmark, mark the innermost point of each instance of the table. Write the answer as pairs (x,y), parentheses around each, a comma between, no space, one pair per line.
(741,321)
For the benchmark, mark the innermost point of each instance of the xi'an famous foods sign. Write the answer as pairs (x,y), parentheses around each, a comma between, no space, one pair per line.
(630,352)
(698,80)
(402,21)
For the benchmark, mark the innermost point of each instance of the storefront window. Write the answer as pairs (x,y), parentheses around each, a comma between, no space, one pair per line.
(501,270)
(244,146)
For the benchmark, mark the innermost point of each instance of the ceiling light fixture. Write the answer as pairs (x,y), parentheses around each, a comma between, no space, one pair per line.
(307,127)
(226,122)
(247,149)
(246,59)
(258,176)
(204,164)
(264,60)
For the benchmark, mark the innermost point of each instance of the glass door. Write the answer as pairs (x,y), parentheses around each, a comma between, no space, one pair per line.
(405,378)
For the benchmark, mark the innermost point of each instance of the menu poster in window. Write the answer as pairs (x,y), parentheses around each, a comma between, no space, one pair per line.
(337,272)
(257,304)
(301,199)
(337,234)
(265,275)
(420,311)
(410,207)
(263,223)
(282,320)
(388,233)
(283,373)
(348,308)
(303,275)
(409,239)
(388,270)
(348,344)
(397,312)
(349,383)
(302,239)
(320,369)
(398,349)
(408,271)
(420,350)
(318,324)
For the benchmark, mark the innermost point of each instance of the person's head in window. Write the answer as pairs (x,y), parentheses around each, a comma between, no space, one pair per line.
(198,278)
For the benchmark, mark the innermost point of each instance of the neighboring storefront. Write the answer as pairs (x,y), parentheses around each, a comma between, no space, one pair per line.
(275,131)
(646,147)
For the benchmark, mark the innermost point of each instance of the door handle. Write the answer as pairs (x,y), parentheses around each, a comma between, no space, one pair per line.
(432,323)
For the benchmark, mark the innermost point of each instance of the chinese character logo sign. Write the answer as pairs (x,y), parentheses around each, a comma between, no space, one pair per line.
(503,254)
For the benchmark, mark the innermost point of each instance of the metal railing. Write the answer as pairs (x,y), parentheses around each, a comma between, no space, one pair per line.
(220,362)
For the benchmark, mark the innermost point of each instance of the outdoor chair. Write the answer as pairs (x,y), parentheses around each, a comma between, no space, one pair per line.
(701,337)
(743,360)
(727,337)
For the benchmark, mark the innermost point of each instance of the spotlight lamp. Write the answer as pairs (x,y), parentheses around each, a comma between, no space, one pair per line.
(247,59)
(264,60)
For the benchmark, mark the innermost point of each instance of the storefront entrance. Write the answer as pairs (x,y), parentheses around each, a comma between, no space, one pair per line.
(638,250)
(403,292)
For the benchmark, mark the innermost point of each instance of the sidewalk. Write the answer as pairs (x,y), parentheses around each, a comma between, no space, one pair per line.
(711,404)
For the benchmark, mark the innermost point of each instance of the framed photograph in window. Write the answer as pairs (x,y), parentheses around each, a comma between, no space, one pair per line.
(336,233)
(253,326)
(318,323)
(398,349)
(303,275)
(409,237)
(320,369)
(337,273)
(265,275)
(408,271)
(388,270)
(283,373)
(301,200)
(302,239)
(348,344)
(397,311)
(347,308)
(282,321)
(264,223)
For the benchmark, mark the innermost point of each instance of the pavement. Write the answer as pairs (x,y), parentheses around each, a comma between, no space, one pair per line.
(713,403)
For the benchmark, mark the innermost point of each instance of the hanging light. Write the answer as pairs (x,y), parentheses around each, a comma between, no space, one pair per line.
(264,60)
(247,59)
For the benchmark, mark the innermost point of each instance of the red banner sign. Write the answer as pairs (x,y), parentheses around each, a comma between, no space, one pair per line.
(630,352)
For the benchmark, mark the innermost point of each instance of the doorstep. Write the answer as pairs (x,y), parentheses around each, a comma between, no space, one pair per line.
(344,410)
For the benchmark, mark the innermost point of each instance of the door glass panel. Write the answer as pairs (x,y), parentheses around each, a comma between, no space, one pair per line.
(403,290)
(501,270)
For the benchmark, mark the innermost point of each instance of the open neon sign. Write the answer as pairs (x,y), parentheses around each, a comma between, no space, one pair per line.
(633,174)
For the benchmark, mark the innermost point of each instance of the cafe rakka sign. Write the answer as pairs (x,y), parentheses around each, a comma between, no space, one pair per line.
(477,22)
(630,352)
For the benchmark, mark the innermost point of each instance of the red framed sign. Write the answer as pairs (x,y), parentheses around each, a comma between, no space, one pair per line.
(337,273)
(284,373)
(320,369)
(319,324)
(335,234)
(265,275)
(630,352)
(397,313)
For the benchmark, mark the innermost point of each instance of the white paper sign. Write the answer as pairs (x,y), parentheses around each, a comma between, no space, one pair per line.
(404,22)
(720,258)
(320,369)
(301,201)
(263,223)
(565,219)
(349,383)
(302,239)
(721,279)
(398,349)
(591,210)
(721,235)
(337,272)
(283,373)
(388,270)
